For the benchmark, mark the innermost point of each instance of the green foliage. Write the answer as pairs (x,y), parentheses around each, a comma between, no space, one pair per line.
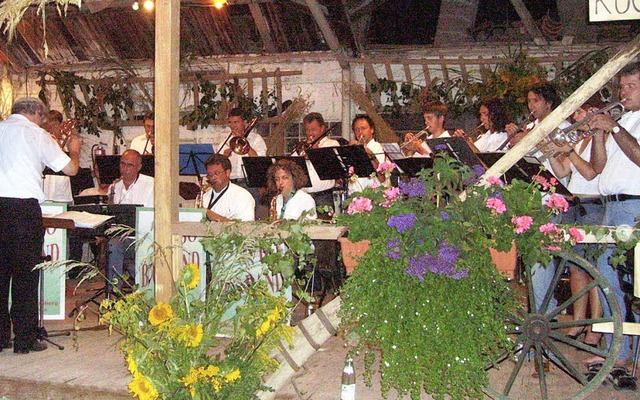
(426,298)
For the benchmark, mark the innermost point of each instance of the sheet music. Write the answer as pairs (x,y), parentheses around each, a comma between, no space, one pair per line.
(392,150)
(83,219)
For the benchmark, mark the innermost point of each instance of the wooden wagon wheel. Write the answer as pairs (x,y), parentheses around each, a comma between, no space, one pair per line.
(539,340)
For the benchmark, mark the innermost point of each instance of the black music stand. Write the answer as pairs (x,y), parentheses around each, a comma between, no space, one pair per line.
(525,169)
(109,167)
(335,162)
(255,169)
(411,166)
(458,148)
(193,157)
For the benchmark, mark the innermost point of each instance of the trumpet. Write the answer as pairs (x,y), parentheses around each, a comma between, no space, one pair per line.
(524,124)
(204,187)
(475,132)
(572,135)
(418,137)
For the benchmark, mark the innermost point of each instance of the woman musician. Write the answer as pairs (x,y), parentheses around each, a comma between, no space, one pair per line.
(493,119)
(285,178)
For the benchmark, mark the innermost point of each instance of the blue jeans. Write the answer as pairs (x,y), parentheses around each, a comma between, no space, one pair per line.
(541,279)
(120,255)
(617,213)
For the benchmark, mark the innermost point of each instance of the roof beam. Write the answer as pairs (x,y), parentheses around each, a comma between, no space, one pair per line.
(263,27)
(529,23)
(328,33)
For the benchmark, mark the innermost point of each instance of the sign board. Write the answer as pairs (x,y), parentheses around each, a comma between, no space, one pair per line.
(55,245)
(613,10)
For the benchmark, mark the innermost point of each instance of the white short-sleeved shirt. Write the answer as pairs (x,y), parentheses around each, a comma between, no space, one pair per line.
(299,203)
(317,184)
(142,145)
(25,150)
(364,182)
(620,174)
(236,203)
(490,141)
(140,192)
(257,143)
(578,184)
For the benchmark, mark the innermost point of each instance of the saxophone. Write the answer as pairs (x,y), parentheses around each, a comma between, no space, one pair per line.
(273,208)
(200,197)
(112,191)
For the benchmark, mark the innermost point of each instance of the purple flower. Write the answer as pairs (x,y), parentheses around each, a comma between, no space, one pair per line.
(444,264)
(478,169)
(440,147)
(449,254)
(414,188)
(402,222)
(444,215)
(394,248)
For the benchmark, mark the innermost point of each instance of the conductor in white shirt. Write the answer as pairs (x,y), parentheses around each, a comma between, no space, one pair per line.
(226,201)
(132,188)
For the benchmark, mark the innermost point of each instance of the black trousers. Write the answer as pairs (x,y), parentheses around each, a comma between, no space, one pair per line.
(21,241)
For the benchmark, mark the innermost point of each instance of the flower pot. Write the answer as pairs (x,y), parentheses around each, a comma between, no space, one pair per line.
(352,252)
(505,261)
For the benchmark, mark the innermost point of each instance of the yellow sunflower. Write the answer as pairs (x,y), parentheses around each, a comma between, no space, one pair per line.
(132,366)
(160,313)
(191,335)
(142,388)
(191,276)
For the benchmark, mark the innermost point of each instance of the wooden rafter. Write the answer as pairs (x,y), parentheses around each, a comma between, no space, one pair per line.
(529,23)
(263,27)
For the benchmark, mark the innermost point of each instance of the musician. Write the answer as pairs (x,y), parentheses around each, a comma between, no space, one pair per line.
(25,149)
(434,116)
(226,201)
(493,117)
(144,143)
(314,128)
(285,178)
(364,129)
(617,158)
(56,187)
(132,188)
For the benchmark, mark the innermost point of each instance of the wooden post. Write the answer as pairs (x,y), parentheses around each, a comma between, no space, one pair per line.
(167,68)
(577,98)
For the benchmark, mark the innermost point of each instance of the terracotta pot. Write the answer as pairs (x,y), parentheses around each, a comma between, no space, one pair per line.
(505,261)
(352,252)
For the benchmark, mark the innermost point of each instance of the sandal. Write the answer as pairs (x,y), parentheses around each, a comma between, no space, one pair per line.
(622,380)
(592,371)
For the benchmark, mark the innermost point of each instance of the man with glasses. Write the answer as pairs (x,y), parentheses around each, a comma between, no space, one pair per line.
(25,149)
(131,188)
(225,200)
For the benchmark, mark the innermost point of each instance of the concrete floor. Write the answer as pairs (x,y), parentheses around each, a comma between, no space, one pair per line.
(91,367)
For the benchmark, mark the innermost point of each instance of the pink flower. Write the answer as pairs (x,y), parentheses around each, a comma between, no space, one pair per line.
(359,204)
(375,184)
(576,234)
(557,203)
(496,204)
(549,228)
(351,171)
(391,193)
(494,180)
(542,181)
(553,181)
(553,248)
(522,223)
(386,166)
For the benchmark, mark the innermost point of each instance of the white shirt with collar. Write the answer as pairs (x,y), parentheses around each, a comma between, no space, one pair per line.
(142,145)
(317,184)
(621,175)
(26,150)
(257,143)
(299,203)
(139,192)
(578,184)
(490,141)
(236,203)
(425,146)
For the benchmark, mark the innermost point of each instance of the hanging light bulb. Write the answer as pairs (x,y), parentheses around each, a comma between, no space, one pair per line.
(148,5)
(219,3)
(135,6)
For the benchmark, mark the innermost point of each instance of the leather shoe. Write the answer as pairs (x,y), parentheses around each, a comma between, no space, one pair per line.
(35,346)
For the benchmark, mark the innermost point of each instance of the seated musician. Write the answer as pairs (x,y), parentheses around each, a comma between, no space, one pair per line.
(364,129)
(132,188)
(143,144)
(434,116)
(225,200)
(493,118)
(285,178)
(314,128)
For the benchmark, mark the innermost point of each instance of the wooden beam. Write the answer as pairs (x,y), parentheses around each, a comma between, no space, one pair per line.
(263,27)
(575,100)
(327,32)
(529,23)
(167,67)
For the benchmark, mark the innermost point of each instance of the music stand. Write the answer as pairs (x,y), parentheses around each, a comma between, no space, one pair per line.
(256,168)
(109,167)
(335,162)
(524,169)
(411,166)
(193,157)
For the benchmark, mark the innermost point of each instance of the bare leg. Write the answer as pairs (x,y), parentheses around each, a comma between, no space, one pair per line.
(578,281)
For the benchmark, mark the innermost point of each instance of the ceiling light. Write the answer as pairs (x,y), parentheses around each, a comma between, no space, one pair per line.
(135,6)
(219,3)
(148,5)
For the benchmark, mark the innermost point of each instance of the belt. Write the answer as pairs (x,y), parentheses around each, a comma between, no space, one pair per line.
(588,200)
(621,197)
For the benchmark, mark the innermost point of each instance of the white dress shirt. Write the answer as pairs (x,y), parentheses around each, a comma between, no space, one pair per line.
(317,184)
(257,143)
(139,192)
(236,203)
(299,203)
(621,175)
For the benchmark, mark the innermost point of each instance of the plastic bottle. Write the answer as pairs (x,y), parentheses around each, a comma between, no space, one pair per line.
(348,391)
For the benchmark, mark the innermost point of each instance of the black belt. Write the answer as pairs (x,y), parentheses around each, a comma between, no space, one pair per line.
(621,197)
(589,200)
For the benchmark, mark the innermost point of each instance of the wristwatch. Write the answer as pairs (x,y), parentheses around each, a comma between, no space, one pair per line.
(615,129)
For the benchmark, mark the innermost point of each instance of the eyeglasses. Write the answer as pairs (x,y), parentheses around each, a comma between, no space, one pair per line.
(215,174)
(128,165)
